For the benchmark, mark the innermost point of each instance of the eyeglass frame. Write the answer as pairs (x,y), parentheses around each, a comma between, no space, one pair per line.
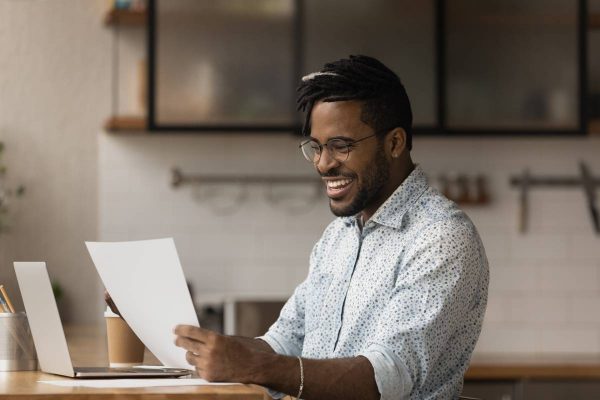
(349,143)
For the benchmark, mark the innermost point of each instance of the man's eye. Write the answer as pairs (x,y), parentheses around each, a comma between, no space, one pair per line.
(339,146)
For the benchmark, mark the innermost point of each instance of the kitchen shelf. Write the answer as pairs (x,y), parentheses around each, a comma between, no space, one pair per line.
(126,17)
(594,21)
(126,124)
(594,127)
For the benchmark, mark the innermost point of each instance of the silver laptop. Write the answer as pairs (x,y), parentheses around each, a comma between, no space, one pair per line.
(49,337)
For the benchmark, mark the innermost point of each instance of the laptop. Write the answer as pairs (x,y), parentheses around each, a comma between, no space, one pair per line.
(49,337)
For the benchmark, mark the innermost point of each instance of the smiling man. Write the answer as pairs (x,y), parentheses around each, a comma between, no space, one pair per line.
(397,287)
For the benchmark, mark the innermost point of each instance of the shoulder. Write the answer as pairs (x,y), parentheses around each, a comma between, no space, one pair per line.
(445,244)
(435,219)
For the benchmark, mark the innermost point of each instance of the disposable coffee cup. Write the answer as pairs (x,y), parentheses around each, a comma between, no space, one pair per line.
(125,349)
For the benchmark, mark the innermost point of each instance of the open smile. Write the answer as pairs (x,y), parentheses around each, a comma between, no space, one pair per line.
(338,187)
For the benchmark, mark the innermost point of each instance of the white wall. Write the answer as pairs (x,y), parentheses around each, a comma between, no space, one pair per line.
(545,284)
(54,96)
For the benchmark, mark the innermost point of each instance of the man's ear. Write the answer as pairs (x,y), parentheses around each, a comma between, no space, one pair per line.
(396,139)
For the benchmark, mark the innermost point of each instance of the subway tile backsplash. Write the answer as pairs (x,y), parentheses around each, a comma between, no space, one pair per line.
(544,284)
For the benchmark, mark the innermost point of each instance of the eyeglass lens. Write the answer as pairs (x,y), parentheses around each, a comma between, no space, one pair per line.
(337,148)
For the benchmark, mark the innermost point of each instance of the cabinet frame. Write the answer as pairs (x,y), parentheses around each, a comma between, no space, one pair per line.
(439,129)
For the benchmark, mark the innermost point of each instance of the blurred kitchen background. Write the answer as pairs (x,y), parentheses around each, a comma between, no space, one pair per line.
(100,101)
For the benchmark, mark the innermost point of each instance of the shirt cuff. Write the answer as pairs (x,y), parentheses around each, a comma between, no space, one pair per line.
(279,344)
(391,375)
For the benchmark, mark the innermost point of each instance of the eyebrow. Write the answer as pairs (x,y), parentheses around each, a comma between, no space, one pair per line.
(334,137)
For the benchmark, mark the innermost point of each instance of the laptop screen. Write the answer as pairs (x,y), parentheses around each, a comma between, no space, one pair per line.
(44,320)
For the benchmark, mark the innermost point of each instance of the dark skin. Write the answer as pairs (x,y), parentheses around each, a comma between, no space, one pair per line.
(224,358)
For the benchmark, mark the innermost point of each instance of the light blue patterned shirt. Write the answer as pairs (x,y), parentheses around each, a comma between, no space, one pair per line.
(408,292)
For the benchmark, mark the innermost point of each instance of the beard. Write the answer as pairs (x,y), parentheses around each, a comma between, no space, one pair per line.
(371,184)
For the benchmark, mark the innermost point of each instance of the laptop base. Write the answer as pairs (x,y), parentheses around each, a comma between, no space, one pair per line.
(137,372)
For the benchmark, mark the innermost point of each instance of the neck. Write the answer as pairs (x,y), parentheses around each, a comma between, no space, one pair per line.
(399,172)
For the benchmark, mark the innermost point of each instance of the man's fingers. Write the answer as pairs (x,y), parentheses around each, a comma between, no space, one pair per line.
(192,359)
(189,344)
(193,332)
(111,303)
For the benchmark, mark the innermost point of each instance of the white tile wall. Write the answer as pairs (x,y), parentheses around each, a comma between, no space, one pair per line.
(569,339)
(545,284)
(506,338)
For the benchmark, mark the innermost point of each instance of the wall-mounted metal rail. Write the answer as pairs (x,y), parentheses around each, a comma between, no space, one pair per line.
(179,178)
(586,180)
(228,203)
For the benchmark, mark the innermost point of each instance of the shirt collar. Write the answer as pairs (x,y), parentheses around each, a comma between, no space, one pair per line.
(392,211)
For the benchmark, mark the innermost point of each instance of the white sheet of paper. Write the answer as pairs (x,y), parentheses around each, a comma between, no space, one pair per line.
(131,383)
(146,282)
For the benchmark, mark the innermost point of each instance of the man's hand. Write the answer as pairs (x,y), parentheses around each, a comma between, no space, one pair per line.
(219,358)
(109,301)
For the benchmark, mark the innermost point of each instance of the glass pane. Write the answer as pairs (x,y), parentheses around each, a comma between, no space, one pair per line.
(400,33)
(224,62)
(512,64)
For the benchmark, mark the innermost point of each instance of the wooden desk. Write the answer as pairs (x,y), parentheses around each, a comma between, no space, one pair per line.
(88,347)
(548,367)
(24,385)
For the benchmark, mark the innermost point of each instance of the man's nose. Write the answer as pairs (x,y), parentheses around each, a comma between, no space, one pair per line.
(326,162)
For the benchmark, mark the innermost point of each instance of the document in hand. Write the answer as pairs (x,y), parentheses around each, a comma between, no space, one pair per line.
(147,284)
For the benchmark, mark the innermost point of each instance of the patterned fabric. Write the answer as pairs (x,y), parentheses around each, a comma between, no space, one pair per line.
(408,292)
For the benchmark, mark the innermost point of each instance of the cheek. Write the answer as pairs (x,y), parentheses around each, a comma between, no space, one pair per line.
(360,173)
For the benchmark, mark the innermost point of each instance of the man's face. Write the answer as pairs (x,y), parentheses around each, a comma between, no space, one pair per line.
(357,183)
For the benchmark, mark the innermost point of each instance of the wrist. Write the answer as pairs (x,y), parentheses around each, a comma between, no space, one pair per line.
(262,363)
(271,368)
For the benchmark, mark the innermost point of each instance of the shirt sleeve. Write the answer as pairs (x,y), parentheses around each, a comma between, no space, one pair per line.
(286,335)
(436,307)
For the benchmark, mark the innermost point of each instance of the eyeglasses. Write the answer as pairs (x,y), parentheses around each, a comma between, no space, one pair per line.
(339,149)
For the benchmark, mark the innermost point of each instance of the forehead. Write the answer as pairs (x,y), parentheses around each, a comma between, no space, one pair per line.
(338,118)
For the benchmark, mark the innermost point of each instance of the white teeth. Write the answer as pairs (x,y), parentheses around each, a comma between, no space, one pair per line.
(338,183)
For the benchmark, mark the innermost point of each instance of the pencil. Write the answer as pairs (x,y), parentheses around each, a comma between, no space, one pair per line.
(10,306)
(3,306)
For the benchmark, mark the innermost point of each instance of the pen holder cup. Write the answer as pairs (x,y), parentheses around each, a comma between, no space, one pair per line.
(17,351)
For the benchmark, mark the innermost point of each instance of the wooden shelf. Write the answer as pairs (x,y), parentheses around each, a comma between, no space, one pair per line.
(117,17)
(126,124)
(594,127)
(594,21)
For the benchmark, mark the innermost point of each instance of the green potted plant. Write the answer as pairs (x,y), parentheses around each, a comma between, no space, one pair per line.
(6,193)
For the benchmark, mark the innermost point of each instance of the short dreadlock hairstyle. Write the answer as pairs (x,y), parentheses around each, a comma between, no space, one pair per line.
(385,103)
